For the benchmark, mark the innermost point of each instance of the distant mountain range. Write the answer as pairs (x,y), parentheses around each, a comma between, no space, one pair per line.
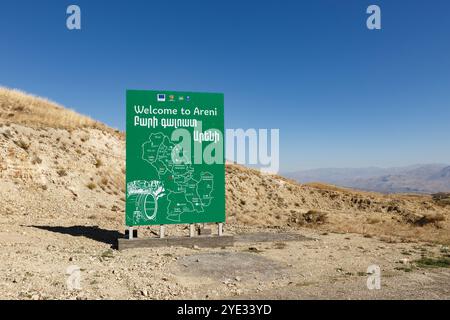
(422,178)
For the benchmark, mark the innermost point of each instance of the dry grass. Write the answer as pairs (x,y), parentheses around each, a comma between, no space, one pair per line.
(442,199)
(252,198)
(312,217)
(21,108)
(387,226)
(256,199)
(342,190)
(440,262)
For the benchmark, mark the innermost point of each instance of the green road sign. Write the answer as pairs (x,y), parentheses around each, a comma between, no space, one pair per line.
(175,158)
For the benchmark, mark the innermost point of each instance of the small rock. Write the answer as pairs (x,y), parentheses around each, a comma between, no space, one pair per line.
(144,293)
(404,261)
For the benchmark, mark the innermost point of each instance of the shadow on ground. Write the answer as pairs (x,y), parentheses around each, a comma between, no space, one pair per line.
(92,232)
(229,265)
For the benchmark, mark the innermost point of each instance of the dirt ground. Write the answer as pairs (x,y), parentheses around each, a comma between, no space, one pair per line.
(305,264)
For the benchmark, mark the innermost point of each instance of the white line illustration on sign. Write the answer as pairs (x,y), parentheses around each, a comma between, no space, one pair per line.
(145,195)
(185,193)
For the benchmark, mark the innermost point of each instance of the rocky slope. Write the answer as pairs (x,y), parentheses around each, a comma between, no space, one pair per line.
(56,164)
(62,207)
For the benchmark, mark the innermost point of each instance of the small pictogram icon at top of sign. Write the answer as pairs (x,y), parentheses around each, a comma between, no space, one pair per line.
(161,97)
(171,97)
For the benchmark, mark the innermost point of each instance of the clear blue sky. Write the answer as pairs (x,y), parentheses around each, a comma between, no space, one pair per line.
(341,95)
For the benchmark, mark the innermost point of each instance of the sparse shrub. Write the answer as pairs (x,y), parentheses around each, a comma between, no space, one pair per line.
(36,160)
(373,220)
(104,181)
(7,134)
(442,198)
(424,219)
(84,137)
(431,218)
(404,269)
(441,262)
(23,144)
(98,162)
(313,217)
(62,172)
(91,185)
(280,245)
(108,254)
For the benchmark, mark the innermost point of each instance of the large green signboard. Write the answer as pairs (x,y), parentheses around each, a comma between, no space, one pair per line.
(175,158)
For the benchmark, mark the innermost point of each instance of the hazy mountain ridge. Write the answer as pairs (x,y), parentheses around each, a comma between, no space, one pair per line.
(422,178)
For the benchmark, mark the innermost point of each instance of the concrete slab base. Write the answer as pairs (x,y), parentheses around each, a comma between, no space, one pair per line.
(200,241)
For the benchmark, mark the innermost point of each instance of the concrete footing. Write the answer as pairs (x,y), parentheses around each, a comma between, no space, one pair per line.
(199,241)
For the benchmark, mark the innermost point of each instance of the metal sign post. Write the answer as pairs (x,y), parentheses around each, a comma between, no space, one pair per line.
(162,230)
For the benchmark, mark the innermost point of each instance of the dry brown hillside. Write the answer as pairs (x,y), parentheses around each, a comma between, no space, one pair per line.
(58,165)
(258,199)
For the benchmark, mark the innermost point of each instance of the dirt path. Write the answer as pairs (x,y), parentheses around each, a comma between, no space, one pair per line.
(307,264)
